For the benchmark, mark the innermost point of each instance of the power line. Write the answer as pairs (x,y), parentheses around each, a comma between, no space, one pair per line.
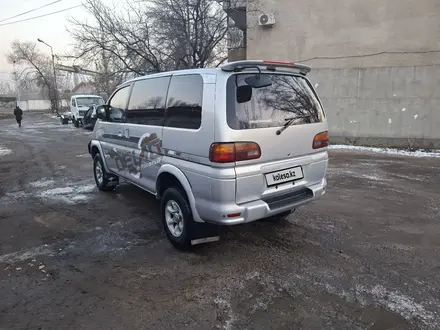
(30,11)
(35,17)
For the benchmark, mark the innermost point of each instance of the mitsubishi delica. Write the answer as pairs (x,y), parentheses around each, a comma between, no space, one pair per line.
(218,146)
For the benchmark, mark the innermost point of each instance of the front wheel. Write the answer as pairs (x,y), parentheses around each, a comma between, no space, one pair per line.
(104,181)
(75,122)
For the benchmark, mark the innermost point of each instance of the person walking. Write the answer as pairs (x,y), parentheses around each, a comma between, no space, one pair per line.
(18,115)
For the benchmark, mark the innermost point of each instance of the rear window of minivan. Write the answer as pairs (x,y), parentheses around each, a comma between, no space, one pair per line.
(289,96)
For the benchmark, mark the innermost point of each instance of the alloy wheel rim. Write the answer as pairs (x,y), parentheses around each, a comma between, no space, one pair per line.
(174,218)
(99,173)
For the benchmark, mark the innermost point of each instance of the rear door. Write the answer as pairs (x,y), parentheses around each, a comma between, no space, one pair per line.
(287,155)
(142,131)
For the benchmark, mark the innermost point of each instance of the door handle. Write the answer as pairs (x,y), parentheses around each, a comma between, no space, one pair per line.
(120,132)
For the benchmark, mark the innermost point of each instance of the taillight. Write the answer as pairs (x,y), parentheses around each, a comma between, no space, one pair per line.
(234,152)
(321,140)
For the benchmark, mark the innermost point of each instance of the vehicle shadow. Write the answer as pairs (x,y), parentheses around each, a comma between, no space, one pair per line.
(282,234)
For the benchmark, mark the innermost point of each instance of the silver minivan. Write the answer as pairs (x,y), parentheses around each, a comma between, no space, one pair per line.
(219,146)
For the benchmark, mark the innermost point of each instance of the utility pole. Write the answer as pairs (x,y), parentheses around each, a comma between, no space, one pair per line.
(54,76)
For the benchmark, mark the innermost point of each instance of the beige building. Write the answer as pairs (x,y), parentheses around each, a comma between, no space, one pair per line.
(376,63)
(337,31)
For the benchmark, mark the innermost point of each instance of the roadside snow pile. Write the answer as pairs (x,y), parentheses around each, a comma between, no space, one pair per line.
(417,153)
(4,151)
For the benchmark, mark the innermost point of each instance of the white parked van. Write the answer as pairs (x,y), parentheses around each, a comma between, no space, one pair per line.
(79,104)
(223,146)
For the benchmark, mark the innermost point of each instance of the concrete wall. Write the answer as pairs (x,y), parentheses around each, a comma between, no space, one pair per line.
(307,29)
(374,58)
(393,106)
(38,104)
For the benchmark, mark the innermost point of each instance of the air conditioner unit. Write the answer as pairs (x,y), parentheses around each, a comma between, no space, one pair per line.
(266,20)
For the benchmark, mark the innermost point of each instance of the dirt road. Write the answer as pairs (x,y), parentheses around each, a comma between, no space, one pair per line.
(366,256)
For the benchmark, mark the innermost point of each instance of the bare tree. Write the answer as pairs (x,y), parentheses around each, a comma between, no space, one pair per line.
(35,66)
(6,87)
(153,36)
(109,75)
(124,36)
(193,31)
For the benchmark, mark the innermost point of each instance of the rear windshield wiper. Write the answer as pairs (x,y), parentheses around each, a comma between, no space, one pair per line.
(290,121)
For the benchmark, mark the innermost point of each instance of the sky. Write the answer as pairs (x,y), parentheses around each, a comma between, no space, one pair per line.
(51,29)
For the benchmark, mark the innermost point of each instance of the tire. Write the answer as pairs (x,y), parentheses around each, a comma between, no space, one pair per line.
(104,181)
(174,201)
(75,123)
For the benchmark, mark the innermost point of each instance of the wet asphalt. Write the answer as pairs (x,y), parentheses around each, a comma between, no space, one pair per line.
(365,256)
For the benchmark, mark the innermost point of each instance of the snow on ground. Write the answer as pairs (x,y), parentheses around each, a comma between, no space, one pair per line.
(4,151)
(394,301)
(42,183)
(48,190)
(27,254)
(418,153)
(403,305)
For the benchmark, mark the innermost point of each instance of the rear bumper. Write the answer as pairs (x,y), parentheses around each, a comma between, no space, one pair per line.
(260,209)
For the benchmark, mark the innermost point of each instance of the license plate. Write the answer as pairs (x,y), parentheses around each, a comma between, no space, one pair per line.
(283,176)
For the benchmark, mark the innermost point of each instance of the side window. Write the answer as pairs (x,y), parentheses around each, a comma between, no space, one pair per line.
(147,101)
(184,103)
(118,103)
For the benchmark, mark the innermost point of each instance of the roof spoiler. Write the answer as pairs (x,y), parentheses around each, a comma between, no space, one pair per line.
(239,66)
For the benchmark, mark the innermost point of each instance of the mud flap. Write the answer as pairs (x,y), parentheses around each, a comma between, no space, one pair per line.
(204,233)
(113,180)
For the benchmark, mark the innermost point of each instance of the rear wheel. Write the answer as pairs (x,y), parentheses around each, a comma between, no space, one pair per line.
(177,218)
(104,181)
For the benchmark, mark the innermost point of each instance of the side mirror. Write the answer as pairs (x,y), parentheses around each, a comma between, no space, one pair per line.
(244,93)
(258,81)
(102,112)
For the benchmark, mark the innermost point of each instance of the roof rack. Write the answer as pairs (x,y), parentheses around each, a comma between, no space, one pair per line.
(238,66)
